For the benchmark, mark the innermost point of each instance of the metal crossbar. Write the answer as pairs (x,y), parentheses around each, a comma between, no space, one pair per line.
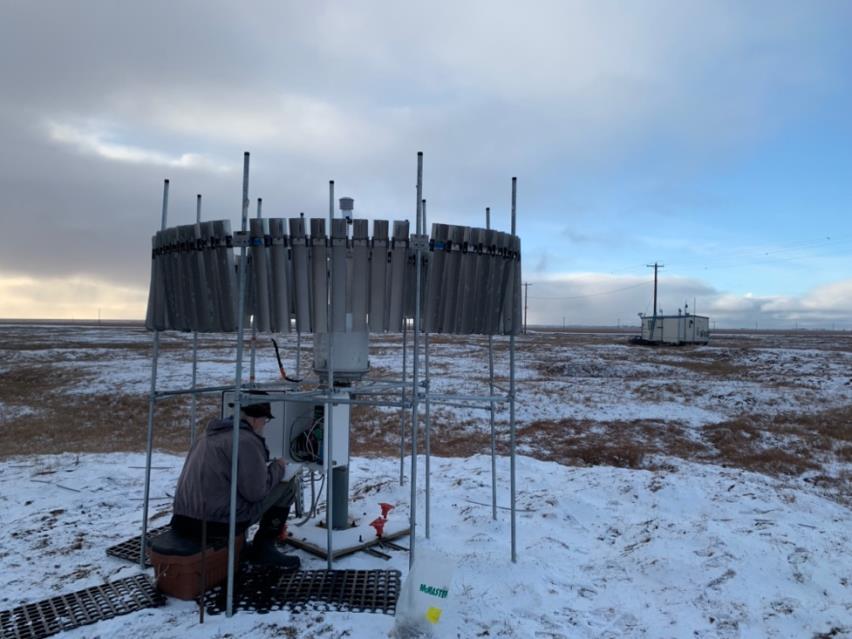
(264,589)
(129,550)
(81,608)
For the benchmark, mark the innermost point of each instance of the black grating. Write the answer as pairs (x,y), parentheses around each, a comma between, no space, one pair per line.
(129,550)
(263,589)
(81,608)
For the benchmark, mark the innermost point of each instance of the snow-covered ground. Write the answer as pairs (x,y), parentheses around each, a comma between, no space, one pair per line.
(696,551)
(580,377)
(667,548)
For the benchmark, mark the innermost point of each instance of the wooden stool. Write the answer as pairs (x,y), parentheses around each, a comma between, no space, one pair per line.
(178,563)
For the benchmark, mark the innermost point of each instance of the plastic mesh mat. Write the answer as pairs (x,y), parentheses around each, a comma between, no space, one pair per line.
(81,608)
(264,589)
(129,550)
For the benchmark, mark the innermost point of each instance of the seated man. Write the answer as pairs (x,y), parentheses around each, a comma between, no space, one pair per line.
(204,487)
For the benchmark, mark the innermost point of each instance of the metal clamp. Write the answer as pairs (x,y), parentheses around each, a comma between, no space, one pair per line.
(419,242)
(241,239)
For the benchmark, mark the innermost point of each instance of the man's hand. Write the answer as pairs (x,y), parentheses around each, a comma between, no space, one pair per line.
(281,462)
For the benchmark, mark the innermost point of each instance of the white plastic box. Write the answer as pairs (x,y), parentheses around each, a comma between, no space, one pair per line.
(294,416)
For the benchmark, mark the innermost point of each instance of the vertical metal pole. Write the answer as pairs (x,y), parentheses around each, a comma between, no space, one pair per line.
(194,406)
(299,359)
(298,353)
(415,396)
(254,317)
(329,471)
(427,417)
(402,410)
(512,397)
(238,379)
(152,399)
(491,407)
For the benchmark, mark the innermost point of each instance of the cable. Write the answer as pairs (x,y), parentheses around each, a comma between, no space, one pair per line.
(305,446)
(314,502)
(281,370)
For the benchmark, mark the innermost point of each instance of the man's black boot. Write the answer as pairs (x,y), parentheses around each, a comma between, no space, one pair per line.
(265,549)
(268,553)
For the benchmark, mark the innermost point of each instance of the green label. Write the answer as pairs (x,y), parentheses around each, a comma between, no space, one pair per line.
(435,592)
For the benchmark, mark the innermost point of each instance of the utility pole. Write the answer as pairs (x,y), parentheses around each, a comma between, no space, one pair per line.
(526,297)
(655,266)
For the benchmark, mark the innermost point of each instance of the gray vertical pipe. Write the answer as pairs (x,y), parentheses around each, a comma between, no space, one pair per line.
(258,290)
(299,358)
(155,356)
(238,378)
(402,410)
(298,353)
(194,406)
(491,407)
(512,397)
(415,395)
(329,459)
(427,417)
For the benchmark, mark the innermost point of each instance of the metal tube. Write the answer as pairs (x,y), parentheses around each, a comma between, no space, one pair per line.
(257,292)
(313,496)
(193,391)
(426,389)
(149,445)
(298,353)
(238,375)
(512,466)
(402,410)
(463,405)
(329,480)
(414,372)
(194,406)
(491,407)
(485,399)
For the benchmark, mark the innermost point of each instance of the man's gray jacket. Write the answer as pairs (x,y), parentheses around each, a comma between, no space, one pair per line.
(204,488)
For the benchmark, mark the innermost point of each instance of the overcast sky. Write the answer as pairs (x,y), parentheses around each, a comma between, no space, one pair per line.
(712,137)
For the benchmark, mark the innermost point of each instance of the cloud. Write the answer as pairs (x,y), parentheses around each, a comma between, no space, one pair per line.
(600,299)
(290,123)
(104,102)
(95,141)
(23,297)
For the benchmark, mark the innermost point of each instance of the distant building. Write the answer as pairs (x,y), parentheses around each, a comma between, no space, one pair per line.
(675,329)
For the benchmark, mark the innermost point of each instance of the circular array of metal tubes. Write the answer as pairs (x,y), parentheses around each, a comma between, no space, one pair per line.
(470,280)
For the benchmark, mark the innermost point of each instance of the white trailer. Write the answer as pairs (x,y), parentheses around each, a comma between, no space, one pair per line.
(676,329)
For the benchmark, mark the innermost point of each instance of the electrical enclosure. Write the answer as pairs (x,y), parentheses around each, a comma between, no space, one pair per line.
(295,417)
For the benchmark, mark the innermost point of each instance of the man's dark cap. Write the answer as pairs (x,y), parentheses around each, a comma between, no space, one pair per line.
(256,410)
(259,410)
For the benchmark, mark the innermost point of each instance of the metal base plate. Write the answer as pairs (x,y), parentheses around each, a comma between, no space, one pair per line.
(312,537)
(263,589)
(81,608)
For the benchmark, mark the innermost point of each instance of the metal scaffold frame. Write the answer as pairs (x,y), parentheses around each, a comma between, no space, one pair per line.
(411,393)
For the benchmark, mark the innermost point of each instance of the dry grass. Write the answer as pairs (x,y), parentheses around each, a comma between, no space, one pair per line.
(706,365)
(813,443)
(627,444)
(63,422)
